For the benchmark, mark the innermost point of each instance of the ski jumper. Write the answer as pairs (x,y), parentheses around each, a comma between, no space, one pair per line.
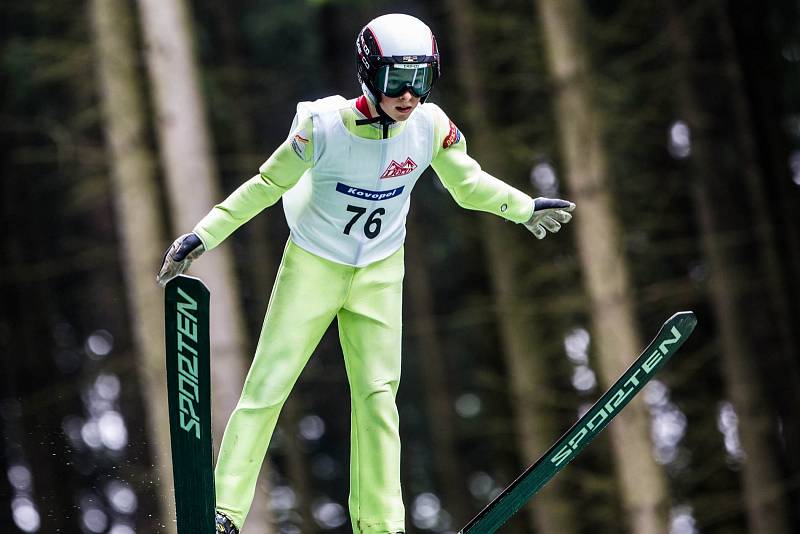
(346,194)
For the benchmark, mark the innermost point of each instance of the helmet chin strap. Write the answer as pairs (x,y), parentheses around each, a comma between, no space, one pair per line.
(382,117)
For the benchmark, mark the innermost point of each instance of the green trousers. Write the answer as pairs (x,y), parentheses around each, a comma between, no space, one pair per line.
(367,303)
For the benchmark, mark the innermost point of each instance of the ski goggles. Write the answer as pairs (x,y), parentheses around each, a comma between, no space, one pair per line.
(395,79)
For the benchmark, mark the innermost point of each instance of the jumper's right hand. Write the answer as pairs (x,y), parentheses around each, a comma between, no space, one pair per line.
(179,256)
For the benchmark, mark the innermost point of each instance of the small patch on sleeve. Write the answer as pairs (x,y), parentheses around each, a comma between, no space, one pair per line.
(452,137)
(299,143)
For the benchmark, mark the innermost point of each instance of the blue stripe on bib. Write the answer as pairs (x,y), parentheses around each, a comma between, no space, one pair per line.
(366,194)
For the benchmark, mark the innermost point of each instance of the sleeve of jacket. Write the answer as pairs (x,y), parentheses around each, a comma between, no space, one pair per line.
(469,185)
(277,175)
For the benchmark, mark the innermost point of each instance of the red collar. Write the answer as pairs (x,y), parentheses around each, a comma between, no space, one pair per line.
(363,106)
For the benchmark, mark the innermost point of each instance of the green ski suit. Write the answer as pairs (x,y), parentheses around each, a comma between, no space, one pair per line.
(309,292)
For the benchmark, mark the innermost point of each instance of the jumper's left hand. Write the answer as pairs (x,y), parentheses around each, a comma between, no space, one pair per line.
(549,214)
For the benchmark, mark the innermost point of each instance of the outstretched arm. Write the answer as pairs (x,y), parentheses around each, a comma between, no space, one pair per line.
(276,176)
(473,188)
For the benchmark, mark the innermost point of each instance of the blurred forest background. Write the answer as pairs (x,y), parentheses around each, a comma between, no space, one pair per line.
(674,126)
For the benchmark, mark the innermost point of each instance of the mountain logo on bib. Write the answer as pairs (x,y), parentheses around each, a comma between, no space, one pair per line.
(399,169)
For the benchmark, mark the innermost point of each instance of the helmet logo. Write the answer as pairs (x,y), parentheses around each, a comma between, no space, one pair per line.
(409,59)
(364,46)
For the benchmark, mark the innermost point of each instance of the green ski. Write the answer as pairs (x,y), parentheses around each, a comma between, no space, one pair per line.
(189,391)
(671,336)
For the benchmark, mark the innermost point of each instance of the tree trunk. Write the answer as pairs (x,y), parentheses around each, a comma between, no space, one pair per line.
(439,398)
(136,203)
(616,341)
(550,512)
(261,268)
(31,414)
(767,511)
(297,464)
(763,487)
(193,187)
(782,361)
(757,30)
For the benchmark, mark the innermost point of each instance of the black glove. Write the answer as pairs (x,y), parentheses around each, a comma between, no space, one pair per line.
(549,214)
(179,256)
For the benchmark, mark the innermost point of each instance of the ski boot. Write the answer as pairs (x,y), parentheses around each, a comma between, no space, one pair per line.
(223,524)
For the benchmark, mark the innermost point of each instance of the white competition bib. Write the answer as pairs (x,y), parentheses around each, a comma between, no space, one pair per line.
(351,206)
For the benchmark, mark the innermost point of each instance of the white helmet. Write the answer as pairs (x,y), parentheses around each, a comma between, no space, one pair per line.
(396,53)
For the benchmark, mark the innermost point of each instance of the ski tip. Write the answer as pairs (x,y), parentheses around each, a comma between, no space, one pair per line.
(184,280)
(687,318)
